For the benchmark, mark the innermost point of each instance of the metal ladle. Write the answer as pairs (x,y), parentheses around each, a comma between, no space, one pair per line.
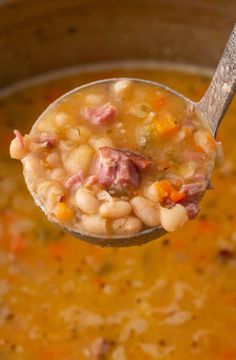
(212,107)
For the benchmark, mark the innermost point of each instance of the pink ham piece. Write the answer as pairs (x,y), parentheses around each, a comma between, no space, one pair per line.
(194,192)
(76,179)
(118,169)
(20,138)
(91,180)
(196,189)
(101,115)
(46,140)
(192,209)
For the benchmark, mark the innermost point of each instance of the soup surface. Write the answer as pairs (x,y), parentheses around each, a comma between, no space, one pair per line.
(118,157)
(62,299)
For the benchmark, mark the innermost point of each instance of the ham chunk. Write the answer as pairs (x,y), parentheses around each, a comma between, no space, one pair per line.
(192,209)
(47,140)
(140,161)
(91,180)
(100,115)
(193,194)
(19,138)
(76,179)
(120,169)
(196,189)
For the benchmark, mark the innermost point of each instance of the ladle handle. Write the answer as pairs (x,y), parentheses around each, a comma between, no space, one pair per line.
(222,87)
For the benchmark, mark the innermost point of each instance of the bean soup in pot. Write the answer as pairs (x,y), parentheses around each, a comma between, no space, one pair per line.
(62,299)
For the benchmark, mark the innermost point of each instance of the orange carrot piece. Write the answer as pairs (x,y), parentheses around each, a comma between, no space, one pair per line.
(207,226)
(18,244)
(160,101)
(228,355)
(98,282)
(230,298)
(166,189)
(57,249)
(187,131)
(165,124)
(63,212)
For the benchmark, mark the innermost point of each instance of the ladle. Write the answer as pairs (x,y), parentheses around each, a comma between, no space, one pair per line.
(212,107)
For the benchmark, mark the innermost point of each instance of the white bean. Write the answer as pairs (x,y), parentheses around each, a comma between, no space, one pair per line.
(94,99)
(86,200)
(65,147)
(61,119)
(16,149)
(84,134)
(94,224)
(173,218)
(146,210)
(100,142)
(33,168)
(127,225)
(57,174)
(205,141)
(49,192)
(115,209)
(73,134)
(53,159)
(151,192)
(121,87)
(79,159)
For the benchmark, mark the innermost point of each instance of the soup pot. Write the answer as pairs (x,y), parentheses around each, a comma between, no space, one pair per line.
(42,36)
(65,284)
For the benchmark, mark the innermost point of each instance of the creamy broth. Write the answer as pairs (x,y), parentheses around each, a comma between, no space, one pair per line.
(62,299)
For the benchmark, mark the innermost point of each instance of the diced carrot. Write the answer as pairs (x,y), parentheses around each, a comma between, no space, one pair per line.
(47,355)
(166,189)
(57,249)
(54,352)
(159,101)
(187,131)
(207,226)
(199,149)
(178,245)
(63,212)
(228,355)
(18,244)
(98,282)
(205,141)
(176,196)
(211,142)
(165,124)
(163,188)
(230,298)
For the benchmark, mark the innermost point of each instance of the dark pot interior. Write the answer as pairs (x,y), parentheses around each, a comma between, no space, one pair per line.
(40,36)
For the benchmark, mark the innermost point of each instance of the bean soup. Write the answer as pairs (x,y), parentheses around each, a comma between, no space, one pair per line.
(63,299)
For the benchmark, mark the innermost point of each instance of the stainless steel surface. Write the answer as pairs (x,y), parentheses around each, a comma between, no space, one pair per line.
(37,37)
(222,88)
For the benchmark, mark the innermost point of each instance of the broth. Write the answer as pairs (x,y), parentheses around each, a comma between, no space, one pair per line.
(63,299)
